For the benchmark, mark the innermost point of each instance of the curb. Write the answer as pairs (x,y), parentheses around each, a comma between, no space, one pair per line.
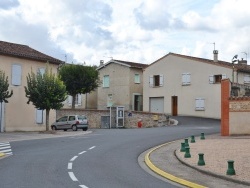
(165,174)
(211,173)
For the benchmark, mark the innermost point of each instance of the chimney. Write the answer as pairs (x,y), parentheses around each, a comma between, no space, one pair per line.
(215,52)
(101,62)
(242,62)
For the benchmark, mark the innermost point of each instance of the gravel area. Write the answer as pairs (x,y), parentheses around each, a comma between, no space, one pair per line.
(217,151)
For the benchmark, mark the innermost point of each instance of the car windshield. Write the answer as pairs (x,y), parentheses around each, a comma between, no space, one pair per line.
(81,117)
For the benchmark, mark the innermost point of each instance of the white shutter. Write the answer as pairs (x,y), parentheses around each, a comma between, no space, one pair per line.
(247,79)
(69,100)
(79,102)
(16,75)
(183,78)
(39,116)
(186,79)
(199,104)
(151,81)
(211,79)
(224,76)
(161,80)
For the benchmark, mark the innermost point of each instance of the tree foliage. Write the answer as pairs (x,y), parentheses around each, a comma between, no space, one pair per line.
(4,85)
(46,91)
(79,79)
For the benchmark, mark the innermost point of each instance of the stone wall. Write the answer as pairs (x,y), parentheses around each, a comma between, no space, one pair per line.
(130,118)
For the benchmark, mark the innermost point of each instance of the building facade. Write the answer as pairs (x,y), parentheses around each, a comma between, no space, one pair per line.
(16,61)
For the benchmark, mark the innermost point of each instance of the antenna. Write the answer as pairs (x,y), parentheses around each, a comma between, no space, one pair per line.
(245,54)
(214,45)
(108,57)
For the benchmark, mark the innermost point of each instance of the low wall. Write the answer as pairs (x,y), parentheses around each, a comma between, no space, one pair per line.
(239,111)
(130,120)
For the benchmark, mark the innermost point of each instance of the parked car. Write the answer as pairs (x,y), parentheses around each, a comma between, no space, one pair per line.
(73,122)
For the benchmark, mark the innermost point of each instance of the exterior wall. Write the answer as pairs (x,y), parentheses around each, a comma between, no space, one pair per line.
(235,112)
(19,116)
(118,86)
(172,67)
(94,117)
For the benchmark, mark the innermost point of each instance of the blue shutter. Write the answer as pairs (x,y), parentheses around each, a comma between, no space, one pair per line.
(16,75)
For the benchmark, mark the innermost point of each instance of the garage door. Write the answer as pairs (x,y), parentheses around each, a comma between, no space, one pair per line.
(156,104)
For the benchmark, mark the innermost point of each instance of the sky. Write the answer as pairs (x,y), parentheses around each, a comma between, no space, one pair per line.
(142,31)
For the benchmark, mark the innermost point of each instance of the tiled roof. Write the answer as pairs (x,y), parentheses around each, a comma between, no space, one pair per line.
(132,64)
(24,51)
(239,67)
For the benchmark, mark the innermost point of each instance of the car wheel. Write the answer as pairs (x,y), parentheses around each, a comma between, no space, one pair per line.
(85,129)
(65,129)
(74,128)
(53,128)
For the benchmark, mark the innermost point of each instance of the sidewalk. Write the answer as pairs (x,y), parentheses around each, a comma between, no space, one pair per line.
(169,161)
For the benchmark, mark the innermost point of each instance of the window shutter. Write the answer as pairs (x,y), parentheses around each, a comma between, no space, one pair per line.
(224,76)
(151,81)
(161,80)
(79,99)
(247,79)
(211,79)
(188,78)
(69,100)
(16,75)
(106,81)
(199,104)
(39,116)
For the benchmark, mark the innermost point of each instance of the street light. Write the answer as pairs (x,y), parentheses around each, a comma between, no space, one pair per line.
(233,61)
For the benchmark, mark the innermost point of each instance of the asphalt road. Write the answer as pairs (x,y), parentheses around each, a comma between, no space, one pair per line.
(104,159)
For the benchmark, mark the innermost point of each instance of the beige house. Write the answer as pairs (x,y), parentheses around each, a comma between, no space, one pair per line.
(183,85)
(121,85)
(17,61)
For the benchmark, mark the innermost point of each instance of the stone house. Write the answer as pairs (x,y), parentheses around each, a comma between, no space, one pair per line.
(183,85)
(122,85)
(16,61)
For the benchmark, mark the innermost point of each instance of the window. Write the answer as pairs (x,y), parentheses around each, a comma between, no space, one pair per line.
(215,79)
(110,100)
(16,75)
(39,116)
(106,81)
(137,79)
(156,80)
(78,100)
(200,104)
(63,119)
(247,79)
(186,80)
(41,71)
(72,118)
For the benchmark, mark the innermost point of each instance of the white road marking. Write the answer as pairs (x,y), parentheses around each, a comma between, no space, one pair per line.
(72,176)
(82,152)
(92,147)
(4,147)
(70,166)
(4,144)
(7,150)
(83,186)
(73,158)
(10,153)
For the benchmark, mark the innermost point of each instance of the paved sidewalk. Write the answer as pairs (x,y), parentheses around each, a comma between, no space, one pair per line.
(169,161)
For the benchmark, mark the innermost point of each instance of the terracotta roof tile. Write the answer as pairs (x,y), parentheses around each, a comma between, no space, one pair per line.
(24,51)
(132,64)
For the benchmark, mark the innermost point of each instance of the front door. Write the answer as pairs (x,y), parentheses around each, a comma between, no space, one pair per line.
(137,102)
(174,105)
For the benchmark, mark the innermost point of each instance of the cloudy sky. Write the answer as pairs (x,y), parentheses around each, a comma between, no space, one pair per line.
(131,30)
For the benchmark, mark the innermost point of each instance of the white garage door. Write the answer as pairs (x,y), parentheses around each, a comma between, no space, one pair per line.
(156,104)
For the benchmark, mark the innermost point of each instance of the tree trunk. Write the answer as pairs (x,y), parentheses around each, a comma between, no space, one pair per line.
(47,119)
(73,101)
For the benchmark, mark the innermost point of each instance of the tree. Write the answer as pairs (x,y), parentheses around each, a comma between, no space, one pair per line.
(4,93)
(79,79)
(46,91)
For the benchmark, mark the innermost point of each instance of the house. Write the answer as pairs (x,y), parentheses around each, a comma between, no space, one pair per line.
(17,61)
(121,85)
(183,85)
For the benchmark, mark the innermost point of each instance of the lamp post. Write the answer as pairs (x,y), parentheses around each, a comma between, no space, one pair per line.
(233,61)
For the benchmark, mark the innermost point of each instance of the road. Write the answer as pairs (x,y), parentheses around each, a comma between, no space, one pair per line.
(103,159)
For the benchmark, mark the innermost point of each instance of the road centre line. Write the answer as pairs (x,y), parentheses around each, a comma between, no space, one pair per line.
(72,176)
(92,147)
(70,166)
(81,152)
(73,158)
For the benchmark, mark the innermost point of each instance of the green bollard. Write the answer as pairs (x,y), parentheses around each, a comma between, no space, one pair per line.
(186,142)
(187,153)
(230,170)
(202,136)
(192,139)
(201,161)
(183,149)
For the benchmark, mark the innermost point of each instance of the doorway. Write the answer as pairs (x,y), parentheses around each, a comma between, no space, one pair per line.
(174,105)
(137,102)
